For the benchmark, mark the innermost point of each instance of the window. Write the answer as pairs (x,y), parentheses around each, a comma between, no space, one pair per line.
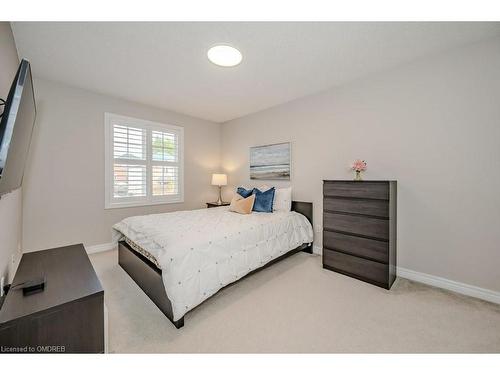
(144,162)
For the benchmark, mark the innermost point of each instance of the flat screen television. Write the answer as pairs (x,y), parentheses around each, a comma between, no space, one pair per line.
(16,127)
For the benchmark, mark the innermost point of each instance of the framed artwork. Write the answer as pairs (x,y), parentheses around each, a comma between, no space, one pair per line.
(270,162)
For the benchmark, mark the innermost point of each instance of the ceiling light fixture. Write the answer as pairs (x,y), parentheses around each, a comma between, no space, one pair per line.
(224,55)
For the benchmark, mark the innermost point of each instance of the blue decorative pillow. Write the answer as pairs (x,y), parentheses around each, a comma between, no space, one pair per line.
(263,200)
(244,192)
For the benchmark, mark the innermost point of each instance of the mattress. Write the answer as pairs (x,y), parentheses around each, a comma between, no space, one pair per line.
(201,251)
(142,251)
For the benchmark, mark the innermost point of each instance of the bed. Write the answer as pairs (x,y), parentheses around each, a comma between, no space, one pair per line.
(180,259)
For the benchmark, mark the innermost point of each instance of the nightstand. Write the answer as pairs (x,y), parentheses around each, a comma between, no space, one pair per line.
(214,204)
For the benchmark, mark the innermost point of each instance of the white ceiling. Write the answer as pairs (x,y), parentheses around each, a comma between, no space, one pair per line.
(165,64)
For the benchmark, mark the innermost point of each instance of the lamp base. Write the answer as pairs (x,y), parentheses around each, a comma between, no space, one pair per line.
(219,201)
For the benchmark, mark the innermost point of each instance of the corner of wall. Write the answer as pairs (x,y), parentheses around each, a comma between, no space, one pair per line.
(11,203)
(10,232)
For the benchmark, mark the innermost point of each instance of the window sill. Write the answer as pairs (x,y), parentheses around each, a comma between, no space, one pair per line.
(109,206)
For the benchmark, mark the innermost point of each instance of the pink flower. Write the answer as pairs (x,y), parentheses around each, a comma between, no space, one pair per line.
(359,165)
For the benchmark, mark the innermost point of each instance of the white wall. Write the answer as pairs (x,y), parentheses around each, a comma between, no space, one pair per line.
(64,182)
(10,204)
(433,125)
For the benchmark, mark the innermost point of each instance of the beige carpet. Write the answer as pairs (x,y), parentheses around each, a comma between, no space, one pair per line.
(296,306)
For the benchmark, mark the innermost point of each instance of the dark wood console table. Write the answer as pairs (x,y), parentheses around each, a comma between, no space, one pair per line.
(67,316)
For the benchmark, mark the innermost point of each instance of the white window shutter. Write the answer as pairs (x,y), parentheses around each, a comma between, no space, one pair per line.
(144,162)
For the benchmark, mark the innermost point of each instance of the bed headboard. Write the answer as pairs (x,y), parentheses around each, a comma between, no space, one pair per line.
(304,208)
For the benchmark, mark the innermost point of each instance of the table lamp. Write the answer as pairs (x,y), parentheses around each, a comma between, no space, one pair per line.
(219,179)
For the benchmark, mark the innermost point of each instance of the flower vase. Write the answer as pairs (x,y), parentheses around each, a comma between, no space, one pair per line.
(358,176)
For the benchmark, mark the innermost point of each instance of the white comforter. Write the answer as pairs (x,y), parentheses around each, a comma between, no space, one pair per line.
(201,251)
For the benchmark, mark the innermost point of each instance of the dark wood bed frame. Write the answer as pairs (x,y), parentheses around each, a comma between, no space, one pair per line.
(149,278)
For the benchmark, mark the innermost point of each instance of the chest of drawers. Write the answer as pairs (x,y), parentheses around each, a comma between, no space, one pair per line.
(359,229)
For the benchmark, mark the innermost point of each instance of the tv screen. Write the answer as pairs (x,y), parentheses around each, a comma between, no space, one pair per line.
(16,127)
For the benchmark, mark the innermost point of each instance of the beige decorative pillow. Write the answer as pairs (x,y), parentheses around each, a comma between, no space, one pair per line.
(242,205)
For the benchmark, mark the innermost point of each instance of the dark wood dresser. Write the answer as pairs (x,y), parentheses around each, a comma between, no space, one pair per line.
(359,229)
(67,316)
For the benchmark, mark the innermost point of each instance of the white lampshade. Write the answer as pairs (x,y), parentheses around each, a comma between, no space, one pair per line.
(219,179)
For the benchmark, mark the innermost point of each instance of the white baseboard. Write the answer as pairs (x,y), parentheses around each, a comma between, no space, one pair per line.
(454,286)
(441,282)
(100,248)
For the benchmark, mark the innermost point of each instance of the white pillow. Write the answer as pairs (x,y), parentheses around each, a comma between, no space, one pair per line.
(282,198)
(264,188)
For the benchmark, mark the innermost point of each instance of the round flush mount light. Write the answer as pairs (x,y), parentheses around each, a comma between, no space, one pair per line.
(224,55)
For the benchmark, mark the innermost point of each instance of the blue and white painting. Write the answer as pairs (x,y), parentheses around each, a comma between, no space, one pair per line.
(270,162)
